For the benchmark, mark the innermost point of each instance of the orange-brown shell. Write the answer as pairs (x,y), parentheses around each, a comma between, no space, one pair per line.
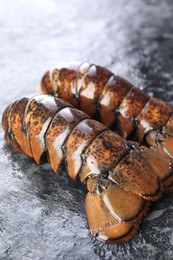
(122,177)
(115,102)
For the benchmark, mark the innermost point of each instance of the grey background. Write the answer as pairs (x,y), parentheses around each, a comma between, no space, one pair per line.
(42,215)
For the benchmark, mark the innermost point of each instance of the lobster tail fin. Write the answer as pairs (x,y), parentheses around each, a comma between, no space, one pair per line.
(114,215)
(163,142)
(160,155)
(167,141)
(159,162)
(116,204)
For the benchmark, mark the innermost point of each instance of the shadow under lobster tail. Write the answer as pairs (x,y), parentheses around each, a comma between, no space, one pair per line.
(114,214)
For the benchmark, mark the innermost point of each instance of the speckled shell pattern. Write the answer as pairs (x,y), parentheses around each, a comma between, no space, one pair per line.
(112,100)
(122,177)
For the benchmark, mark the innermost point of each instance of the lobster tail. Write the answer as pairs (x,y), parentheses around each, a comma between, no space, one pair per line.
(115,102)
(122,177)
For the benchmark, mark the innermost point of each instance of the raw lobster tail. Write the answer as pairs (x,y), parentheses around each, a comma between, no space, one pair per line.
(113,101)
(122,177)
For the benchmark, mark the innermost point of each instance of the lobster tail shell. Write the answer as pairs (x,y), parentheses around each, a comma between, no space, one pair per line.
(113,101)
(122,177)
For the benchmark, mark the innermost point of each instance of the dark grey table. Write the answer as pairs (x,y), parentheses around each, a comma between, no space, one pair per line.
(42,215)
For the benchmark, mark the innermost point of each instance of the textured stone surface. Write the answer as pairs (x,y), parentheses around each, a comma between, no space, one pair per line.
(42,215)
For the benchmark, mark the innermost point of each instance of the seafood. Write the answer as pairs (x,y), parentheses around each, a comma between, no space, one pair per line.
(122,177)
(113,101)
